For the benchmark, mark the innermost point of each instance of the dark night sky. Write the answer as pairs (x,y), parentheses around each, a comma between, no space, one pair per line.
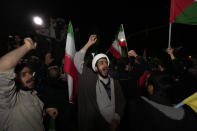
(145,22)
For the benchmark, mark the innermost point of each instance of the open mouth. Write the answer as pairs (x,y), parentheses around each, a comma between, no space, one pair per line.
(105,70)
(30,80)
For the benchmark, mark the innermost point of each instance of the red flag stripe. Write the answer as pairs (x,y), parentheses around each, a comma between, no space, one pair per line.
(122,43)
(70,69)
(114,52)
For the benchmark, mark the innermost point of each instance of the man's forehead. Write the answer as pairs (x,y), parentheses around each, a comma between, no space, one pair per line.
(102,59)
(53,67)
(25,69)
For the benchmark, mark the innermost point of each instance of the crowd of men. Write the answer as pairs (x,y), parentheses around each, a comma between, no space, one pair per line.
(129,93)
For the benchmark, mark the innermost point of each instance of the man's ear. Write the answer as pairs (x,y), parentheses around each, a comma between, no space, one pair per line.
(95,68)
(150,89)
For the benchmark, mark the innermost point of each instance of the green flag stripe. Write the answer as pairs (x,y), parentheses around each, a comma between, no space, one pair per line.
(123,51)
(70,29)
(120,30)
(189,15)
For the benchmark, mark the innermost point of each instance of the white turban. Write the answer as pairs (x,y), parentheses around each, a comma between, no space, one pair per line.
(96,58)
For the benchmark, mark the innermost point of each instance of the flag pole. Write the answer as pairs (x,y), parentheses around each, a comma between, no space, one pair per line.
(170,24)
(179,105)
(107,51)
(125,38)
(169,41)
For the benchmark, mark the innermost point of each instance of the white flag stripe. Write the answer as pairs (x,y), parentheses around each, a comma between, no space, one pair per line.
(70,85)
(70,44)
(121,36)
(117,46)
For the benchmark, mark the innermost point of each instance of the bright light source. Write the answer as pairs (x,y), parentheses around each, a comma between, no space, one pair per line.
(190,57)
(37,20)
(122,39)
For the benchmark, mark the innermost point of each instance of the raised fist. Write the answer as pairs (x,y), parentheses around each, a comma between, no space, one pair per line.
(132,53)
(29,43)
(92,39)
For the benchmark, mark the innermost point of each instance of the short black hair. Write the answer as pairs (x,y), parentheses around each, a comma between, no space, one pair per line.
(20,66)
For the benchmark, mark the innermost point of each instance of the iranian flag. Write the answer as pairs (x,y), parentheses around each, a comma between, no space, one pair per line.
(119,45)
(69,66)
(183,11)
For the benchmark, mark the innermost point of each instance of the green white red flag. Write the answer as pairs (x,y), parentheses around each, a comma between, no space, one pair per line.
(119,45)
(69,66)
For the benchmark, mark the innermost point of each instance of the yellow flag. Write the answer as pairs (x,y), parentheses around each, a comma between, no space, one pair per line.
(192,101)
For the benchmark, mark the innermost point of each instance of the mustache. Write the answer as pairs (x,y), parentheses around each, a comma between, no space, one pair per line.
(30,80)
(106,68)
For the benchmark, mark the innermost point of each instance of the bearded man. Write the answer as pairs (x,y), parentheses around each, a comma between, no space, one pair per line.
(100,99)
(20,107)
